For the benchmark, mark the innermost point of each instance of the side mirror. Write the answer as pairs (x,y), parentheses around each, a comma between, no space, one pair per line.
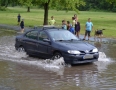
(46,40)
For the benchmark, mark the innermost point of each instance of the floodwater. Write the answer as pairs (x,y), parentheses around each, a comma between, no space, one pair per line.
(21,72)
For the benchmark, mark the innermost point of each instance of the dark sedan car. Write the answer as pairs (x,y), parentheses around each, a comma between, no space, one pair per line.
(54,43)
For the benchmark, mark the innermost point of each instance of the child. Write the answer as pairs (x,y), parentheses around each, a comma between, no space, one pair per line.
(75,16)
(77,28)
(70,28)
(22,26)
(73,22)
(19,19)
(64,24)
(88,28)
(52,21)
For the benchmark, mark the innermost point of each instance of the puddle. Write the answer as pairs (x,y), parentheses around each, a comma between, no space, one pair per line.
(8,52)
(32,72)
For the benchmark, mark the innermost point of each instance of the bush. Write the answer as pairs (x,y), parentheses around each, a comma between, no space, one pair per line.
(2,8)
(114,9)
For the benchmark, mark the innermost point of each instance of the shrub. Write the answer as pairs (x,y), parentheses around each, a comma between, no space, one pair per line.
(2,8)
(114,9)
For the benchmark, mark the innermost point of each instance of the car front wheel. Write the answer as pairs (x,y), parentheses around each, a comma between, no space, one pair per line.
(21,49)
(56,56)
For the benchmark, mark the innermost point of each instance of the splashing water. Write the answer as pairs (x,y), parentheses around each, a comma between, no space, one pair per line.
(102,57)
(103,62)
(8,53)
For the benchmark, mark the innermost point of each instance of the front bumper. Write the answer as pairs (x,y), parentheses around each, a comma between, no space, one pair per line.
(79,59)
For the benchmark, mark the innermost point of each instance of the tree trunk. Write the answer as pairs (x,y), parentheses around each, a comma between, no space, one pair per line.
(28,9)
(46,8)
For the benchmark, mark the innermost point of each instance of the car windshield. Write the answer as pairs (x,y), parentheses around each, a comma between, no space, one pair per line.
(62,35)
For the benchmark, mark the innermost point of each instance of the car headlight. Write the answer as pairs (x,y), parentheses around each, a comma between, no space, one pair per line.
(95,50)
(74,52)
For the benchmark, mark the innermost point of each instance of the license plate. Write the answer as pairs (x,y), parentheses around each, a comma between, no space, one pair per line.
(88,56)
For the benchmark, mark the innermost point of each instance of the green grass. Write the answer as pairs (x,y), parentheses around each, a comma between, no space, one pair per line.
(106,20)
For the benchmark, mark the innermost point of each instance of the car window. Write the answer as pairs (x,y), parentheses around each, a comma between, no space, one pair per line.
(32,34)
(62,35)
(42,35)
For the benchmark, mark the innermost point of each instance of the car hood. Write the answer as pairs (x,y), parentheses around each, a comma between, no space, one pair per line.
(78,45)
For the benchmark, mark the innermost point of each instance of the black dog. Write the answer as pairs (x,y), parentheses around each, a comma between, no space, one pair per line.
(98,34)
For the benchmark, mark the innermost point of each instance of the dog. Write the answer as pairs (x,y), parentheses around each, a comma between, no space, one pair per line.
(98,35)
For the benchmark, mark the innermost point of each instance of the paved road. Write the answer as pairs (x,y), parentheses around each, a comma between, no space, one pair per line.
(17,28)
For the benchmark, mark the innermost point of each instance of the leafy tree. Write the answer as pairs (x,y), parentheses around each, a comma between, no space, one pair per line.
(112,4)
(98,5)
(58,5)
(27,3)
(111,1)
(4,3)
(14,3)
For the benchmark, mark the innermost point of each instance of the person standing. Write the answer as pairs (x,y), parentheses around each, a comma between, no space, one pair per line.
(75,16)
(64,26)
(70,28)
(52,21)
(88,28)
(68,25)
(77,28)
(73,21)
(22,26)
(19,19)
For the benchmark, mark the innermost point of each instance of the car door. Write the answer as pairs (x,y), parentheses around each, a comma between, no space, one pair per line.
(31,42)
(44,47)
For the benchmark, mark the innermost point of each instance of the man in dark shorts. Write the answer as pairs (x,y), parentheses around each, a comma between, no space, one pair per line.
(88,28)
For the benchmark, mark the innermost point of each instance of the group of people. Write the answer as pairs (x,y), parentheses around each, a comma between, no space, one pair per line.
(74,26)
(21,23)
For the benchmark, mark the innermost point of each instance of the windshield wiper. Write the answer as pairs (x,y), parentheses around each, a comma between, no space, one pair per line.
(72,39)
(59,40)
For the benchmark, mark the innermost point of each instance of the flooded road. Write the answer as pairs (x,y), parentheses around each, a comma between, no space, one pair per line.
(21,72)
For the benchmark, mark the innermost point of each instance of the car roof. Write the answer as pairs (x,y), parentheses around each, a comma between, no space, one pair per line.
(49,28)
(46,28)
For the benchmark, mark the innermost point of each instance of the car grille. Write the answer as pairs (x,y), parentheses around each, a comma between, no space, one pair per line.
(89,52)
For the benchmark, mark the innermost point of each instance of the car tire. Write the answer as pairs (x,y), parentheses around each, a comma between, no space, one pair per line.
(57,55)
(21,49)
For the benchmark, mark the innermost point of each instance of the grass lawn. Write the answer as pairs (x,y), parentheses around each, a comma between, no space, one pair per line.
(106,20)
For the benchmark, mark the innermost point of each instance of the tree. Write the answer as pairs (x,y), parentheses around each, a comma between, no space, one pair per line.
(111,1)
(58,4)
(112,5)
(4,2)
(108,5)
(27,3)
